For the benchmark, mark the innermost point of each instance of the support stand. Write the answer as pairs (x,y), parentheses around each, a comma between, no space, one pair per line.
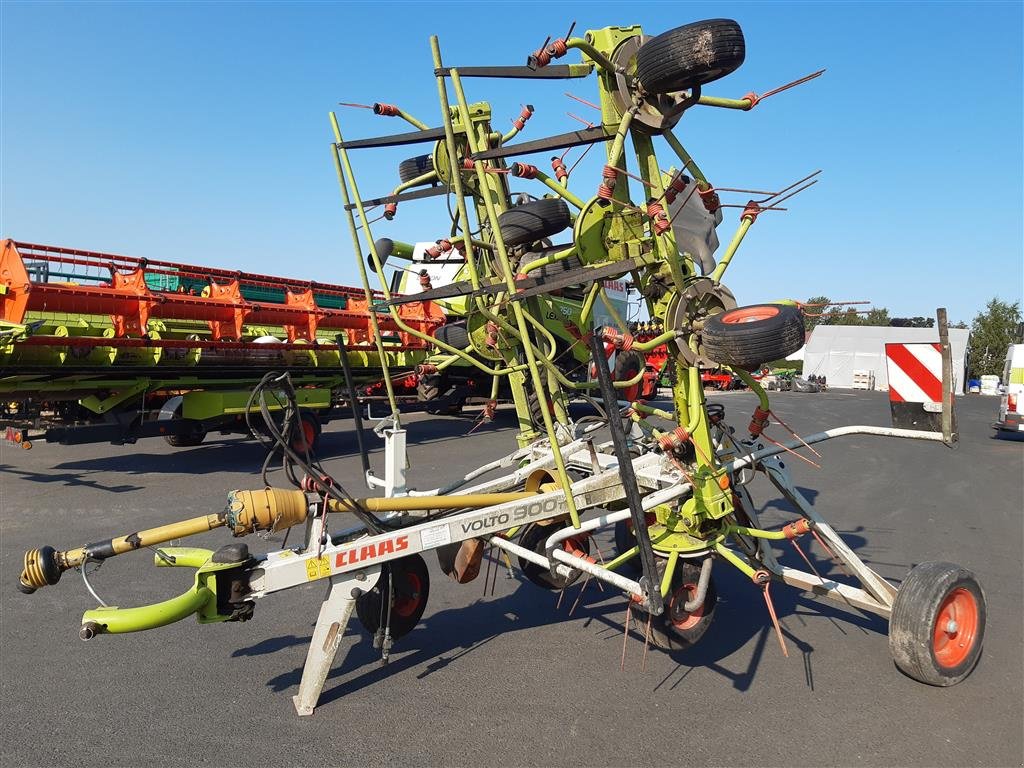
(335,612)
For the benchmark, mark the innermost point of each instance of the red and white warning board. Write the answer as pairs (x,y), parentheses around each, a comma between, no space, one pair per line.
(915,372)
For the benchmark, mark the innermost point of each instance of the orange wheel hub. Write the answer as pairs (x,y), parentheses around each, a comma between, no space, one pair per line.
(956,627)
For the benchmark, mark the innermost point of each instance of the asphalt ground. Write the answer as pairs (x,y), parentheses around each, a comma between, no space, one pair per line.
(508,679)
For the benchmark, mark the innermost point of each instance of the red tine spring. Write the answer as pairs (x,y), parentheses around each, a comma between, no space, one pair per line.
(676,188)
(658,217)
(710,199)
(526,114)
(606,188)
(543,55)
(559,168)
(758,422)
(673,441)
(524,170)
(621,341)
(425,369)
(387,110)
(390,210)
(425,280)
(492,334)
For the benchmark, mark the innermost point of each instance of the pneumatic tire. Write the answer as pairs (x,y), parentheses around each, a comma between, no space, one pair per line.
(402,589)
(690,55)
(533,221)
(746,337)
(938,624)
(676,629)
(415,167)
(453,334)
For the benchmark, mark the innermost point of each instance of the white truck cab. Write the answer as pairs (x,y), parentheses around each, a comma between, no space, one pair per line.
(1011,403)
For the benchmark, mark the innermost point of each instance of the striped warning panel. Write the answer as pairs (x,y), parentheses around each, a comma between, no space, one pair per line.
(915,372)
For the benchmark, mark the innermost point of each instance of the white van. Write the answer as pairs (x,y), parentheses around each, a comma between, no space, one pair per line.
(1011,404)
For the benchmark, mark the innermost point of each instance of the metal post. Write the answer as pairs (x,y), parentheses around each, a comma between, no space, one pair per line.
(949,435)
(649,581)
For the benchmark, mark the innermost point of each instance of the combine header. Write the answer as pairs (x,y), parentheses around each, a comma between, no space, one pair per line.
(673,483)
(100,346)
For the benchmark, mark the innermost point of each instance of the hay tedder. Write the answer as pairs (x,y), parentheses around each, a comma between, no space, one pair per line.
(672,483)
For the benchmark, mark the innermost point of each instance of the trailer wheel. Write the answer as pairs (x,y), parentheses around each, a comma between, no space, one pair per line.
(415,167)
(308,436)
(533,221)
(186,441)
(403,588)
(937,624)
(690,55)
(190,440)
(746,337)
(677,629)
(533,538)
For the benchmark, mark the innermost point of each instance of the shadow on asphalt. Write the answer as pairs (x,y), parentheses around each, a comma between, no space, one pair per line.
(443,638)
(235,454)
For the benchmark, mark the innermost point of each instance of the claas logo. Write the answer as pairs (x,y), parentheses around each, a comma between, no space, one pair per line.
(371,551)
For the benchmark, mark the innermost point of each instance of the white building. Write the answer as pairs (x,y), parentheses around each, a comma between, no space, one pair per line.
(836,351)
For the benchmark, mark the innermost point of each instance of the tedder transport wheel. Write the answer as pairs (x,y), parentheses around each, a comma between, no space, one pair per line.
(676,629)
(415,167)
(533,538)
(627,365)
(186,441)
(453,334)
(690,55)
(937,624)
(404,586)
(533,221)
(748,336)
(308,437)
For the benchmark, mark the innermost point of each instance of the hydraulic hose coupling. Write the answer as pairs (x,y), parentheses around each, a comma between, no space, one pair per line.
(390,210)
(758,422)
(674,440)
(559,168)
(526,114)
(524,170)
(387,110)
(269,509)
(556,49)
(41,567)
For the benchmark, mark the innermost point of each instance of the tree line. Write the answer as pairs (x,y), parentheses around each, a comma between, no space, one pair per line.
(993,329)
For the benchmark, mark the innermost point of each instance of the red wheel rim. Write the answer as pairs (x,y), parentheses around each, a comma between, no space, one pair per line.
(305,442)
(956,627)
(406,605)
(680,618)
(631,393)
(749,314)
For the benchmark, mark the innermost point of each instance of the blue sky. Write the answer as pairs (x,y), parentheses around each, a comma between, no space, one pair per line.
(198,132)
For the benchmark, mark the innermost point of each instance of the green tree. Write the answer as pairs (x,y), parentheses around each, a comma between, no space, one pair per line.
(876,316)
(816,306)
(992,331)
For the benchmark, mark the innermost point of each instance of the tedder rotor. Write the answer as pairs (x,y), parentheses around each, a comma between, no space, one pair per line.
(671,482)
